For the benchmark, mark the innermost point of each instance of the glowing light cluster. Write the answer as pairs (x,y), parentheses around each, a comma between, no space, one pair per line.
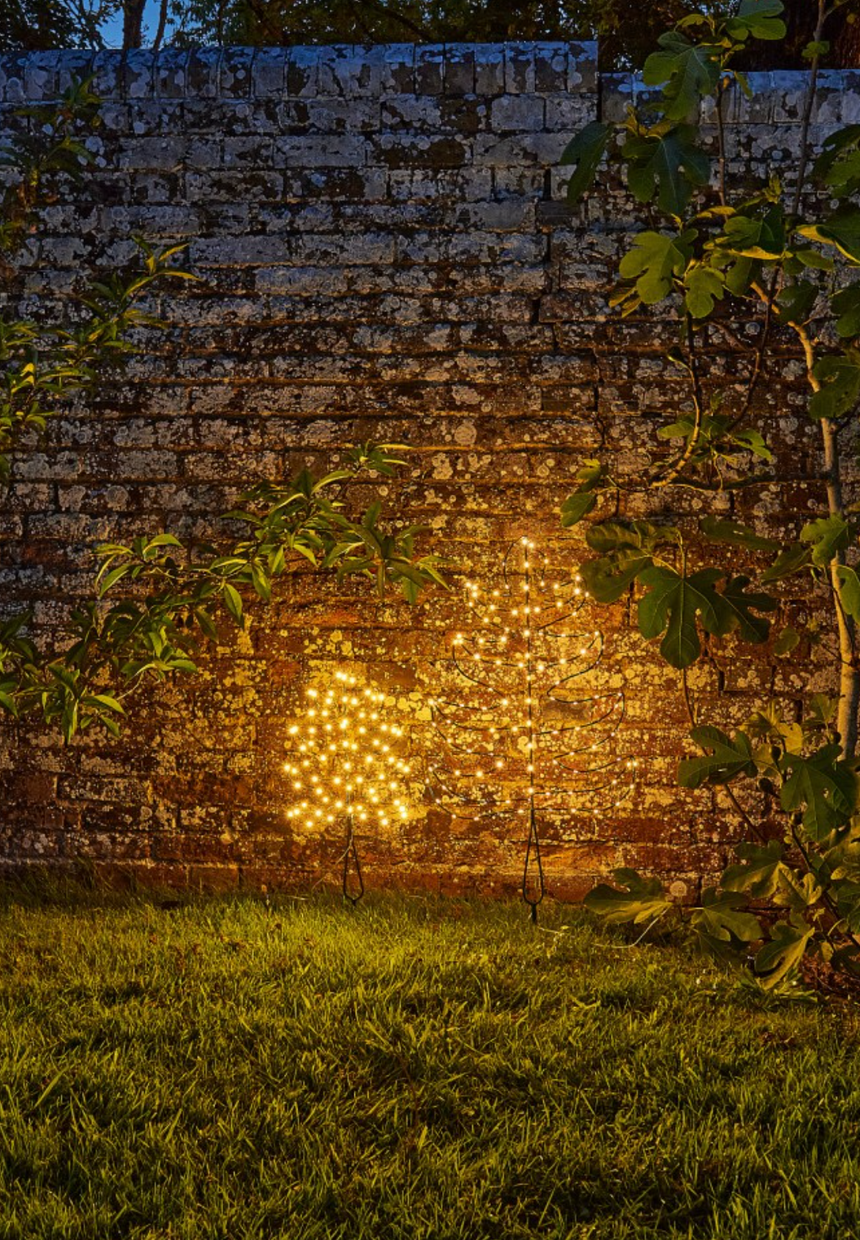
(344,762)
(530,732)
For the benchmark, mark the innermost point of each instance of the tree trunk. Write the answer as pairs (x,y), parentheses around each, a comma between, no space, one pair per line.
(132,23)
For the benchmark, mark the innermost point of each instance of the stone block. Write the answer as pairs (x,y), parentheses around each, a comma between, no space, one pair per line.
(459,70)
(397,75)
(235,70)
(551,67)
(171,73)
(519,68)
(139,73)
(517,113)
(429,68)
(204,73)
(42,76)
(489,69)
(108,79)
(303,72)
(320,152)
(269,73)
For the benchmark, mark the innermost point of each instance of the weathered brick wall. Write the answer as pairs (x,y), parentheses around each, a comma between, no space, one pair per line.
(385,254)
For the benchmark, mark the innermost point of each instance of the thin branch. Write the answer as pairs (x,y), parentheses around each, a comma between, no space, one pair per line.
(721,139)
(808,103)
(162,26)
(665,479)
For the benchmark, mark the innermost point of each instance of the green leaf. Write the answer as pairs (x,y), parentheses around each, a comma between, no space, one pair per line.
(629,535)
(589,477)
(754,443)
(827,536)
(840,230)
(728,758)
(9,704)
(410,589)
(849,590)
(667,162)
(720,922)
(577,506)
(703,288)
(838,165)
(181,664)
(112,577)
(758,871)
(690,72)
(839,376)
(722,530)
(789,561)
(795,302)
(788,640)
(671,607)
(585,152)
(371,516)
(261,582)
(784,952)
(164,540)
(233,603)
(823,786)
(640,899)
(109,702)
(809,257)
(64,675)
(846,306)
(206,623)
(797,891)
(760,237)
(738,611)
(655,262)
(740,275)
(757,19)
(609,577)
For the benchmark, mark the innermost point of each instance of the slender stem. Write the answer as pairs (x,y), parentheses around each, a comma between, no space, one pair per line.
(807,112)
(721,139)
(667,478)
(162,25)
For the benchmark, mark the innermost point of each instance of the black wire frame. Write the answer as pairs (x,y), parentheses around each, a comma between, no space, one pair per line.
(352,880)
(533,882)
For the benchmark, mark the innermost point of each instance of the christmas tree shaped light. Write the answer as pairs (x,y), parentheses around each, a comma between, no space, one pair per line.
(530,737)
(345,767)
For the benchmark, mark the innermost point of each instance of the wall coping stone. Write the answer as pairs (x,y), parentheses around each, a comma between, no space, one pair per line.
(359,71)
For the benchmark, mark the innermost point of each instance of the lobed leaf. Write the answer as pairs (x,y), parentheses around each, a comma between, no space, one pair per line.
(728,757)
(638,899)
(585,152)
(822,786)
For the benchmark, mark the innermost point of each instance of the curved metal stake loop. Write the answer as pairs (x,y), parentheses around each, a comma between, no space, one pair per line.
(352,890)
(533,887)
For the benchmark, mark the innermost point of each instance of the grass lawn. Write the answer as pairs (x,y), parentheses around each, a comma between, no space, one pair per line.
(415,1069)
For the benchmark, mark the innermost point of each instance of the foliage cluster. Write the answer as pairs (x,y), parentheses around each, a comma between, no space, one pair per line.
(626,30)
(780,253)
(158,598)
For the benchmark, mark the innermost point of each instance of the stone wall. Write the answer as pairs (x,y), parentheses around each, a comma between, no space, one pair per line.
(385,254)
